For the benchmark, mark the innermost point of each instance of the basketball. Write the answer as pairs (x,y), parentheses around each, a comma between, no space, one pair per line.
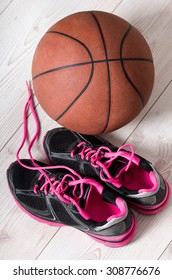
(92,72)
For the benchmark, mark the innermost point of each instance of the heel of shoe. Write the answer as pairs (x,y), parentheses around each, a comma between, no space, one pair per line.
(153,209)
(117,241)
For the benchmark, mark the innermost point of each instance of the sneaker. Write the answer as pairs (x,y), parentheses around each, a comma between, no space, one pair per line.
(57,195)
(132,176)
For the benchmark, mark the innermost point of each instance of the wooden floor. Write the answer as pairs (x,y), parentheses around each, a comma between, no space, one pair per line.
(22,24)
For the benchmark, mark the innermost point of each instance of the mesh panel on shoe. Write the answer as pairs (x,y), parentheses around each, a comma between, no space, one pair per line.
(89,170)
(21,177)
(34,202)
(61,141)
(70,163)
(62,213)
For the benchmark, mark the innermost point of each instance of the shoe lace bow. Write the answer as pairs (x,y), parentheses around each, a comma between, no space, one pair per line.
(103,157)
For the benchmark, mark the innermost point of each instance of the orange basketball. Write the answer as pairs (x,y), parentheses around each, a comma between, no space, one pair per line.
(93,72)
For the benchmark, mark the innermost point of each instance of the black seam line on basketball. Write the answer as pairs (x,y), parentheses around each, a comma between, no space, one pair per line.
(90,62)
(124,70)
(91,72)
(108,70)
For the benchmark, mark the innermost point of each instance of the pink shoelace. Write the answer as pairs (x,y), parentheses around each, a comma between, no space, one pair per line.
(51,184)
(95,157)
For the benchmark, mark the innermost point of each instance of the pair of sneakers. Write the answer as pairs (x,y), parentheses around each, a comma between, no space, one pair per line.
(89,184)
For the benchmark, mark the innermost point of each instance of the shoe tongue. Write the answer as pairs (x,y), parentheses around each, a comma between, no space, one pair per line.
(84,196)
(73,191)
(70,192)
(116,166)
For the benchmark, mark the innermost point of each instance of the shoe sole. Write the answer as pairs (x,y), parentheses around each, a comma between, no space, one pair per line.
(154,209)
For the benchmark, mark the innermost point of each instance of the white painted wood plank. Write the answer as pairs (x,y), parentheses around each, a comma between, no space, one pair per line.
(4,5)
(22,237)
(144,14)
(167,254)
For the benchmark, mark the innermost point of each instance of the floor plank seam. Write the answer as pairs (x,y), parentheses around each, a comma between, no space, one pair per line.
(164,250)
(6,7)
(117,6)
(148,111)
(47,243)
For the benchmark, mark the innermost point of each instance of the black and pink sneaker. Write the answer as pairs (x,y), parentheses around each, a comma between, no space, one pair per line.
(132,176)
(57,195)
